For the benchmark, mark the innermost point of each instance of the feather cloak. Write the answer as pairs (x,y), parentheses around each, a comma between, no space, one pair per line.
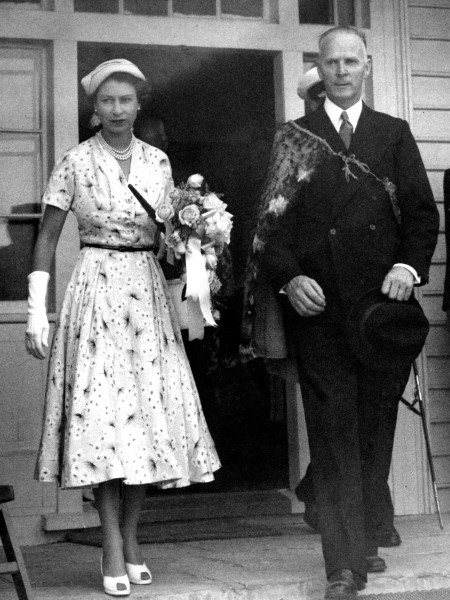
(296,154)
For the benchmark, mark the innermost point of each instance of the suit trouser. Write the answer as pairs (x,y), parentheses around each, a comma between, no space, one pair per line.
(305,493)
(350,414)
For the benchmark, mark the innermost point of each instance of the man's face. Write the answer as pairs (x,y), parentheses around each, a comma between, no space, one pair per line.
(343,66)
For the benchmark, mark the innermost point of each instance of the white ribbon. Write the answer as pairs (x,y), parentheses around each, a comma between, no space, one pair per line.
(197,289)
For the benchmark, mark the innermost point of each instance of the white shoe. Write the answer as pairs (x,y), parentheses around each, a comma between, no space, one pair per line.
(115,586)
(138,574)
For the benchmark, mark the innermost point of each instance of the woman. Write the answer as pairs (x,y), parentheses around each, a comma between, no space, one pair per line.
(121,404)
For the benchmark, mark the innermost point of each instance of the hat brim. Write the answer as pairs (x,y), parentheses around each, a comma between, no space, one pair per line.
(388,357)
(95,78)
(307,80)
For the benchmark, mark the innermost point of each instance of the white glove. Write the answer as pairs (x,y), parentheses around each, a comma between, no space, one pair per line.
(36,335)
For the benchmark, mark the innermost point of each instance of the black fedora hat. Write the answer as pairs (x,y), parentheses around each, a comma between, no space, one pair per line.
(384,334)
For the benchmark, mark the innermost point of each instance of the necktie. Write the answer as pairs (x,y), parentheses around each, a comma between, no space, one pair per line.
(346,129)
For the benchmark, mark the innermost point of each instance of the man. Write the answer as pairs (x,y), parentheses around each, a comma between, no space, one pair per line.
(347,208)
(312,90)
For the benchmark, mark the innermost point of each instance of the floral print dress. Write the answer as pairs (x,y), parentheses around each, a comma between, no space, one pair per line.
(121,401)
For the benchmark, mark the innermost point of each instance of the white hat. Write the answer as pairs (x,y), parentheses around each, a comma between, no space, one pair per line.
(118,65)
(306,81)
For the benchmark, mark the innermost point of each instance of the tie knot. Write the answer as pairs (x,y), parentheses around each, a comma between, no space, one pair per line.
(344,117)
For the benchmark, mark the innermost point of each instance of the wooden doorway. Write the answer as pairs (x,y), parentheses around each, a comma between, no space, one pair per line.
(218,112)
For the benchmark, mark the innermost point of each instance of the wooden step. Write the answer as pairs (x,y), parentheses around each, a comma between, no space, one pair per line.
(179,507)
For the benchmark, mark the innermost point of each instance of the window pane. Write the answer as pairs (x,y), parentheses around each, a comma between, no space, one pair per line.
(20,159)
(319,12)
(17,239)
(25,3)
(195,7)
(19,87)
(243,8)
(346,12)
(96,6)
(365,13)
(152,8)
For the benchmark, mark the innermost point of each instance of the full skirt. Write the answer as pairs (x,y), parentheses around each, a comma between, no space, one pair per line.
(121,401)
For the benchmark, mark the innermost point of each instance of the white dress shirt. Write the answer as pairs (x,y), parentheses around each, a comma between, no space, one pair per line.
(335,112)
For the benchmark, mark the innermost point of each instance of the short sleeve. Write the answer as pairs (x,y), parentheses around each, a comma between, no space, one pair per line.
(60,188)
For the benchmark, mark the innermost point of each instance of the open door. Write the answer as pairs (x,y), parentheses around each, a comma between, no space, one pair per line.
(217,109)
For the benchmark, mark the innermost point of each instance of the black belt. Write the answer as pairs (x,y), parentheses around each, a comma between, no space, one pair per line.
(120,248)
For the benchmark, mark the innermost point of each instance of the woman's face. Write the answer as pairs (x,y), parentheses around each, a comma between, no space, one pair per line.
(116,104)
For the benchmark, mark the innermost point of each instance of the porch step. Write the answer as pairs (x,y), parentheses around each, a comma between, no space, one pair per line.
(184,507)
(180,507)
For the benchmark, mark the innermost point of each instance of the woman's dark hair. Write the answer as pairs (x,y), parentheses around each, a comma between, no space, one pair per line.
(142,87)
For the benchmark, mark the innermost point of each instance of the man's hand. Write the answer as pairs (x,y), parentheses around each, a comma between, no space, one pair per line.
(398,284)
(306,296)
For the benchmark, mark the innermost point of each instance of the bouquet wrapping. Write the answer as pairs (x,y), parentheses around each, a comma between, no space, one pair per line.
(197,227)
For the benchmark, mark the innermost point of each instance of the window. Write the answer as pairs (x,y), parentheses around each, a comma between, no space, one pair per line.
(335,12)
(194,7)
(97,6)
(22,150)
(155,8)
(250,8)
(220,9)
(24,4)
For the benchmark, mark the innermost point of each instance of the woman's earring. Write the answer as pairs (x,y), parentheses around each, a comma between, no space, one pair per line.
(94,120)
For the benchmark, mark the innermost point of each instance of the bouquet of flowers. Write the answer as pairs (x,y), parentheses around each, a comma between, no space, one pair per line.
(197,227)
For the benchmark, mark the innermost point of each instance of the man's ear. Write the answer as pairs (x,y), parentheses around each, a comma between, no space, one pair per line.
(368,67)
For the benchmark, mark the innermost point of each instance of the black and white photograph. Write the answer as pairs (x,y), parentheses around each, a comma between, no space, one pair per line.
(225,299)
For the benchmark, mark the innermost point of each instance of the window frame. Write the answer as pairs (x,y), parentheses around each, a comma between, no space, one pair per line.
(269,9)
(357,11)
(11,308)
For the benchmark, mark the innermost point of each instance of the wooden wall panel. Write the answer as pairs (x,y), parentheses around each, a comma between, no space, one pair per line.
(438,340)
(430,56)
(23,384)
(432,124)
(436,155)
(439,402)
(437,275)
(436,179)
(440,440)
(430,22)
(444,498)
(432,306)
(431,92)
(440,252)
(442,469)
(432,3)
(438,372)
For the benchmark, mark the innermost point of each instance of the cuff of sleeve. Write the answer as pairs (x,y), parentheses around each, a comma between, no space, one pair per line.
(411,270)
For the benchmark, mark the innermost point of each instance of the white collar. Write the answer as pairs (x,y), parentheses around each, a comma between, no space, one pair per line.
(334,112)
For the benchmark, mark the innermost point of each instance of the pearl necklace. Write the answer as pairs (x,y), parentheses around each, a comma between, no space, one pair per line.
(118,154)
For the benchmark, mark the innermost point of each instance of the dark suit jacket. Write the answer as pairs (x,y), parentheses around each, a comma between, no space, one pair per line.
(345,234)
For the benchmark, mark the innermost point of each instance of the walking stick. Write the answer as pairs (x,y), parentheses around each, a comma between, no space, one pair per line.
(421,412)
